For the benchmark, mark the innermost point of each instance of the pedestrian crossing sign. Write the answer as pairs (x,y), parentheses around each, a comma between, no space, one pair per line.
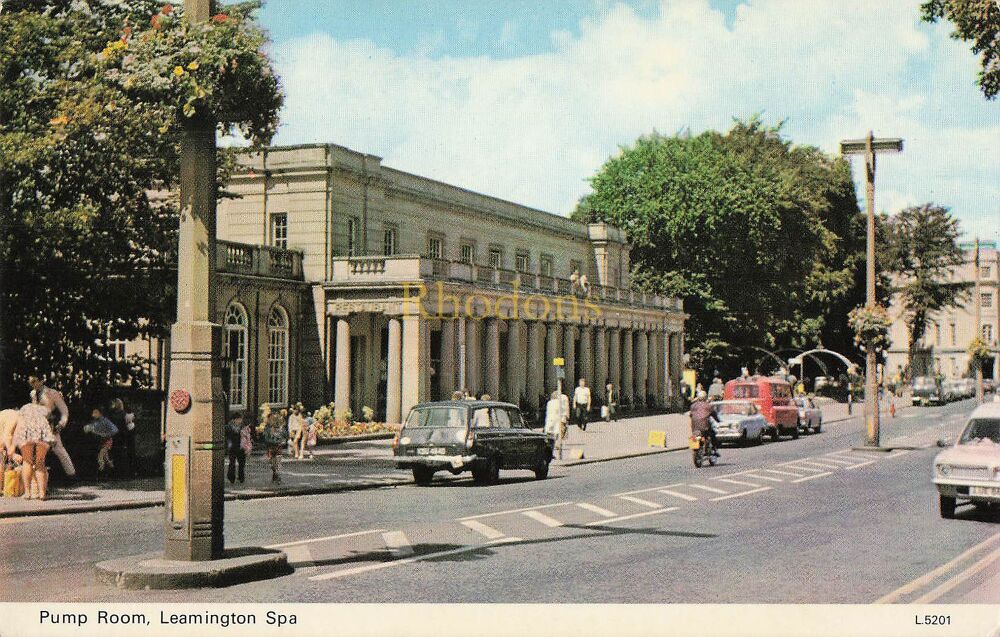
(559,362)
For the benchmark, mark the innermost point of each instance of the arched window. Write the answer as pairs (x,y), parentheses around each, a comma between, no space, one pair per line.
(277,357)
(235,350)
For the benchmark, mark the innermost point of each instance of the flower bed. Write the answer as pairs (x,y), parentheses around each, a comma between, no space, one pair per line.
(341,428)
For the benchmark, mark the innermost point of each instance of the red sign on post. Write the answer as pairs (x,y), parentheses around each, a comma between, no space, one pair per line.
(180,400)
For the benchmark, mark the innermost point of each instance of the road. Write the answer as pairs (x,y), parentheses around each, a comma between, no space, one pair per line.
(798,521)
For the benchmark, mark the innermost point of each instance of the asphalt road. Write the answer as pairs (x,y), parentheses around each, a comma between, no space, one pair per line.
(805,520)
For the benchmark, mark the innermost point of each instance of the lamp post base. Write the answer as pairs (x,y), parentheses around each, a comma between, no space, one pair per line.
(154,571)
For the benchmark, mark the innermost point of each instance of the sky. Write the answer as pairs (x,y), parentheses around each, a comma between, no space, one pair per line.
(525,100)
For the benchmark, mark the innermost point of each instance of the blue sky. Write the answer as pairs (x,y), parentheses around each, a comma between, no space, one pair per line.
(525,100)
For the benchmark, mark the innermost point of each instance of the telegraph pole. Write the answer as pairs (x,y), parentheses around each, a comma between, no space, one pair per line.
(869,147)
(978,308)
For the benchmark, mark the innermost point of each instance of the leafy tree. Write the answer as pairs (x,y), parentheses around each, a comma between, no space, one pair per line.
(759,237)
(976,21)
(921,254)
(92,100)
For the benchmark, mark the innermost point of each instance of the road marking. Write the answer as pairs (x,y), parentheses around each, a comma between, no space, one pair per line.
(479,527)
(647,503)
(710,489)
(741,494)
(845,456)
(666,486)
(818,475)
(840,461)
(538,516)
(742,484)
(931,576)
(593,508)
(958,579)
(622,518)
(535,508)
(861,464)
(821,465)
(896,454)
(810,469)
(409,560)
(783,473)
(397,543)
(323,539)
(300,555)
(682,496)
(768,478)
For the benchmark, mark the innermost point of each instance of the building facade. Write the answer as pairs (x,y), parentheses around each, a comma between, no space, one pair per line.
(401,289)
(944,348)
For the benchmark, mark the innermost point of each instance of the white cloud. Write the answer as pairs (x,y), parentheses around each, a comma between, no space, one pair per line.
(534,128)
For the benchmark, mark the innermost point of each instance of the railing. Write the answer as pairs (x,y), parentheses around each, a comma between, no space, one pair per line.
(367,265)
(440,267)
(251,260)
(485,274)
(507,277)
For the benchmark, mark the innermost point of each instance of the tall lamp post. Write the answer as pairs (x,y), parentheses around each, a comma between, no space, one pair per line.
(870,147)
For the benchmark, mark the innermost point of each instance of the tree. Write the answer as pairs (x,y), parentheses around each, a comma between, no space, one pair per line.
(756,235)
(922,250)
(976,21)
(90,117)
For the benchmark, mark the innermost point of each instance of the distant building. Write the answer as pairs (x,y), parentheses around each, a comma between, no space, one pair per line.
(944,348)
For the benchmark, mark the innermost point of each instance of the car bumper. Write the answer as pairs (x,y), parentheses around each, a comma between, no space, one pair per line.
(435,462)
(977,490)
(729,435)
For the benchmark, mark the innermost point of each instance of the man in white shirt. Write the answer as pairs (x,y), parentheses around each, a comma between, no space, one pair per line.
(58,416)
(581,404)
(556,413)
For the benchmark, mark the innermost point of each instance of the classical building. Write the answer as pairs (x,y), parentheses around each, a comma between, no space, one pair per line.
(944,348)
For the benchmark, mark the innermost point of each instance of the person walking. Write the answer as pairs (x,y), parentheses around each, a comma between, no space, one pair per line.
(297,431)
(276,438)
(717,389)
(33,436)
(239,444)
(555,422)
(57,414)
(611,393)
(116,414)
(581,404)
(102,427)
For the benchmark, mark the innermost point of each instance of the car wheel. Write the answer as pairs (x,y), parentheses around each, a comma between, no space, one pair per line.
(947,505)
(795,432)
(423,475)
(775,434)
(488,472)
(541,467)
(760,437)
(818,428)
(745,439)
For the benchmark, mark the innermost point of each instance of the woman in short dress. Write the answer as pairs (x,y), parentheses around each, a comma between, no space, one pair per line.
(33,436)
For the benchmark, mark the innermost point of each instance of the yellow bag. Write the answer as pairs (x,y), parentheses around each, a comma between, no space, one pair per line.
(12,485)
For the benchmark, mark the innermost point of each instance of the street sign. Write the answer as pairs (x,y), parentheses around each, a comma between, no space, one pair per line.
(560,373)
(559,362)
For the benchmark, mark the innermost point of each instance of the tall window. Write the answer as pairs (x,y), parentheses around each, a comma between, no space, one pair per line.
(435,247)
(114,347)
(277,357)
(496,258)
(988,333)
(389,241)
(984,272)
(986,299)
(353,226)
(236,352)
(468,253)
(279,229)
(954,334)
(937,334)
(522,262)
(545,266)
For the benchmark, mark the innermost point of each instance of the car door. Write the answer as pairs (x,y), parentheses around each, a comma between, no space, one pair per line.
(480,419)
(529,443)
(507,442)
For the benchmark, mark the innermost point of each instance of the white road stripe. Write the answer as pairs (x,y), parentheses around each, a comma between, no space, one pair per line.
(845,455)
(682,496)
(645,503)
(783,473)
(300,555)
(541,517)
(862,464)
(896,454)
(821,465)
(813,469)
(742,484)
(323,539)
(768,478)
(947,586)
(741,494)
(629,517)
(818,475)
(479,527)
(397,543)
(837,460)
(593,508)
(709,489)
(488,515)
(666,486)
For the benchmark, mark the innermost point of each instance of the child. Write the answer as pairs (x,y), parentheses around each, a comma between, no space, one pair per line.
(103,428)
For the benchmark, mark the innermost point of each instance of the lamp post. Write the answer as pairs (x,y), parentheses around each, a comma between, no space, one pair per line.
(870,147)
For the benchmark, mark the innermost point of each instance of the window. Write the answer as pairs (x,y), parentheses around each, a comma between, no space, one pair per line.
(353,226)
(545,264)
(987,333)
(389,241)
(114,347)
(984,272)
(496,258)
(279,230)
(501,418)
(277,357)
(954,335)
(986,299)
(937,334)
(435,247)
(468,253)
(522,262)
(235,351)
(481,418)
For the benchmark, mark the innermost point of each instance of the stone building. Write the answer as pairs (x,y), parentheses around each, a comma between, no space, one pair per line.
(944,348)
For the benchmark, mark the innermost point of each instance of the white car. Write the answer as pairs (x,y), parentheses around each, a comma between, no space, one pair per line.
(970,469)
(740,421)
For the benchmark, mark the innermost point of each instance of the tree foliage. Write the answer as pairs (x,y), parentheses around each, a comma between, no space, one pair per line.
(922,251)
(976,21)
(88,174)
(761,238)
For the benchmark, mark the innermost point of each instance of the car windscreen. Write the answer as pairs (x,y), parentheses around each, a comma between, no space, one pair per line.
(437,417)
(745,391)
(735,409)
(981,431)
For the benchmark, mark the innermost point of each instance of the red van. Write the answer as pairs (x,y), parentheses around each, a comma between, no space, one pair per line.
(774,397)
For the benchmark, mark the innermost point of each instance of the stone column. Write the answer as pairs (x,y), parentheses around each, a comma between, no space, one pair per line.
(414,351)
(342,380)
(492,366)
(569,353)
(536,362)
(641,365)
(587,354)
(515,361)
(615,359)
(651,365)
(473,362)
(553,349)
(447,371)
(463,365)
(628,389)
(394,374)
(601,362)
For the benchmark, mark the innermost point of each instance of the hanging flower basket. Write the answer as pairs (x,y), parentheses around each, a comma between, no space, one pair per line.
(871,327)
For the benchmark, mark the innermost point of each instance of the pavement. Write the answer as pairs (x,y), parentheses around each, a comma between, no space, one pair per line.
(796,521)
(367,464)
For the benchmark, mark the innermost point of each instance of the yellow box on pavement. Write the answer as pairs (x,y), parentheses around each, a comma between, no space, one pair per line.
(657,439)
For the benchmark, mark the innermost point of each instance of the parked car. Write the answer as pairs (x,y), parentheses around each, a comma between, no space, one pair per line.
(970,387)
(810,416)
(478,436)
(970,469)
(740,421)
(773,396)
(927,390)
(951,390)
